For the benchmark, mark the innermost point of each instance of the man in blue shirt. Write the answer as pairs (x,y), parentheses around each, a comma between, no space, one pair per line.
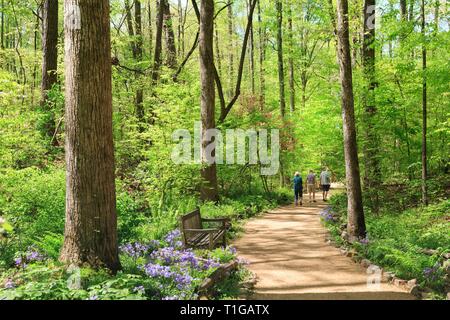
(298,188)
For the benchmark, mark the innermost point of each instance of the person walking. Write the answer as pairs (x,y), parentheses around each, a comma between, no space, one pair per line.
(325,182)
(298,188)
(311,182)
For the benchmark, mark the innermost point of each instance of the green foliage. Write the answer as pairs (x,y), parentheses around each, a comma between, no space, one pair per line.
(401,242)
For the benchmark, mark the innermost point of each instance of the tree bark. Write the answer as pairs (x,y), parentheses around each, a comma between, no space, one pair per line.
(279,7)
(356,222)
(371,146)
(158,41)
(209,190)
(170,36)
(91,218)
(2,26)
(49,58)
(231,47)
(424,109)
(251,49)
(139,99)
(262,58)
(291,61)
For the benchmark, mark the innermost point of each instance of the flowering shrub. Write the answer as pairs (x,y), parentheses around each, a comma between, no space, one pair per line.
(32,255)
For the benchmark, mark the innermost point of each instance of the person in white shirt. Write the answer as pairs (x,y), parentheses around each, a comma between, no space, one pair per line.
(325,182)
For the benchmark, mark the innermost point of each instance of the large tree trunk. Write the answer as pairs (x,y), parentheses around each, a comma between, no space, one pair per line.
(49,58)
(158,41)
(91,219)
(371,145)
(356,222)
(424,110)
(279,5)
(209,189)
(170,36)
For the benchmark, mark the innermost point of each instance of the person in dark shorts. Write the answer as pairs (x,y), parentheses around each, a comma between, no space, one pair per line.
(298,188)
(325,182)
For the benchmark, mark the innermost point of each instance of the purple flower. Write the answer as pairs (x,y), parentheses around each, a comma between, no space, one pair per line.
(173,238)
(232,250)
(30,256)
(137,250)
(431,274)
(156,270)
(182,281)
(242,261)
(211,264)
(93,298)
(171,298)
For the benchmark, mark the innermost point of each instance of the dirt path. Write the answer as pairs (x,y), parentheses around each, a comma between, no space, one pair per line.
(288,252)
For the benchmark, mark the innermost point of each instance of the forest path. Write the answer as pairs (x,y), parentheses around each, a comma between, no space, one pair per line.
(287,251)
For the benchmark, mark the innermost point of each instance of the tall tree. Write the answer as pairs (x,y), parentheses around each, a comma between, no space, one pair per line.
(356,221)
(49,59)
(170,36)
(2,27)
(262,58)
(158,41)
(91,219)
(372,175)
(424,107)
(291,59)
(139,99)
(231,47)
(209,189)
(279,8)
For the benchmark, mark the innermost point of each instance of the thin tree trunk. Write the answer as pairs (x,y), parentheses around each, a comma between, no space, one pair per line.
(291,60)
(2,27)
(424,110)
(404,9)
(209,190)
(150,28)
(139,100)
(91,218)
(158,41)
(262,58)
(371,146)
(279,5)
(356,222)
(231,47)
(218,57)
(252,50)
(170,36)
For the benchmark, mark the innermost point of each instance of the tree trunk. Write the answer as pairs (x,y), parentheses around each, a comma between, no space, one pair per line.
(356,222)
(91,219)
(231,47)
(252,50)
(424,110)
(262,58)
(291,60)
(209,191)
(404,9)
(158,41)
(371,146)
(279,5)
(2,27)
(49,59)
(150,28)
(170,37)
(139,100)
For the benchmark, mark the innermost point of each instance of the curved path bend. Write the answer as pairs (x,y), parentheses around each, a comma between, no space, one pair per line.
(288,252)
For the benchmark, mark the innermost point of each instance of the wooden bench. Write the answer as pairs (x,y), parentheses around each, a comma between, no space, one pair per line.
(194,234)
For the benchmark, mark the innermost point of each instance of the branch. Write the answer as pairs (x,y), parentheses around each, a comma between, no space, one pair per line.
(228,108)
